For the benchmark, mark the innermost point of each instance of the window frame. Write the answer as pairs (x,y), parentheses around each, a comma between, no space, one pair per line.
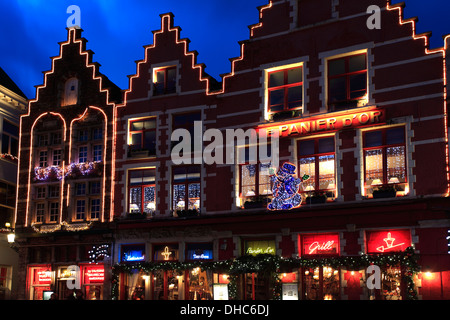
(286,88)
(384,147)
(51,213)
(165,90)
(186,185)
(10,137)
(142,133)
(142,187)
(316,155)
(347,75)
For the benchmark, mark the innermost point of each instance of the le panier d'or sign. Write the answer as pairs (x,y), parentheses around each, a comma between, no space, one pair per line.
(324,124)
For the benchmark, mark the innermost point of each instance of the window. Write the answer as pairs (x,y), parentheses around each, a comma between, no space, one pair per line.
(42,140)
(142,135)
(165,80)
(70,92)
(95,209)
(186,188)
(186,121)
(80,189)
(40,193)
(80,209)
(255,180)
(54,211)
(53,191)
(385,161)
(82,154)
(317,160)
(40,212)
(43,159)
(98,153)
(141,186)
(94,187)
(347,80)
(56,138)
(83,135)
(285,89)
(10,140)
(57,157)
(97,134)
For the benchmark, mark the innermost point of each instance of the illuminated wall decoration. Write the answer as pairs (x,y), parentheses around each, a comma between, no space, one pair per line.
(98,253)
(131,253)
(165,252)
(199,251)
(285,188)
(260,247)
(320,244)
(443,52)
(388,241)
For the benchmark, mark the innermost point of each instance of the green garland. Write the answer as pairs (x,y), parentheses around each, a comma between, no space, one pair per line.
(270,266)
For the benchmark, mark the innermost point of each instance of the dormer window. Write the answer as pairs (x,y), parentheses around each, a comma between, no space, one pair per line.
(70,92)
(164,81)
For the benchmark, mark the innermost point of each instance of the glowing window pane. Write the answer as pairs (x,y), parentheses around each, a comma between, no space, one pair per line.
(135,200)
(326,172)
(179,196)
(194,196)
(264,179)
(308,167)
(396,164)
(149,199)
(248,178)
(374,165)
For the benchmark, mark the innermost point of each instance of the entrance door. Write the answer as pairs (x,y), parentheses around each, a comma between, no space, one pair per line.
(166,285)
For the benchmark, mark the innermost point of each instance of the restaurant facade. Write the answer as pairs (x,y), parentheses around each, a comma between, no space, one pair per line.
(354,206)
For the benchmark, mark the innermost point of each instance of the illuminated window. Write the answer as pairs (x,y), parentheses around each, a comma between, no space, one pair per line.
(98,151)
(255,180)
(385,162)
(164,81)
(186,188)
(95,209)
(141,186)
(40,212)
(10,138)
(70,92)
(142,135)
(53,211)
(285,89)
(57,157)
(317,160)
(321,283)
(347,80)
(82,154)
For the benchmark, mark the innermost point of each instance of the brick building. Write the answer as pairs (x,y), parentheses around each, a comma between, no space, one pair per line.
(362,116)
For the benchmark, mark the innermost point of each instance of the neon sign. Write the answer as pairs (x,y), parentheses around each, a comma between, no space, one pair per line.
(326,244)
(337,122)
(96,274)
(388,241)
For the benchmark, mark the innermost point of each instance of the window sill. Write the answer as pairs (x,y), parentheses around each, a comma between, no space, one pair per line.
(285,115)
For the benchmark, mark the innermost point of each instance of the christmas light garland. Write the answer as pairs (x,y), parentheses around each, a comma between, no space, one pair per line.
(74,170)
(271,265)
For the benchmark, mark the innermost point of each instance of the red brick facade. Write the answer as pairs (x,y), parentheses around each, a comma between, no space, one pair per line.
(404,92)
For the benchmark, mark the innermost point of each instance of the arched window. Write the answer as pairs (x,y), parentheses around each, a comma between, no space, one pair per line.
(70,92)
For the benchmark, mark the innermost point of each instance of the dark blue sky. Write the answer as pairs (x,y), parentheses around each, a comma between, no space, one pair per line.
(116,30)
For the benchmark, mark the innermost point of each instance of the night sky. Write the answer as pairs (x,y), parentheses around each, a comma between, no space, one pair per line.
(117,30)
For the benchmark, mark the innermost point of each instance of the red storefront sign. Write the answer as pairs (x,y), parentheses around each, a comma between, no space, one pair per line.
(94,274)
(388,241)
(322,244)
(42,276)
(324,124)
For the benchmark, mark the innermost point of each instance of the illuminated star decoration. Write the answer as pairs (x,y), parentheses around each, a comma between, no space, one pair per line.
(285,188)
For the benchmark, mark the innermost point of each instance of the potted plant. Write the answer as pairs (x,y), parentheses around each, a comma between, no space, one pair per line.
(317,197)
(384,192)
(286,115)
(257,202)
